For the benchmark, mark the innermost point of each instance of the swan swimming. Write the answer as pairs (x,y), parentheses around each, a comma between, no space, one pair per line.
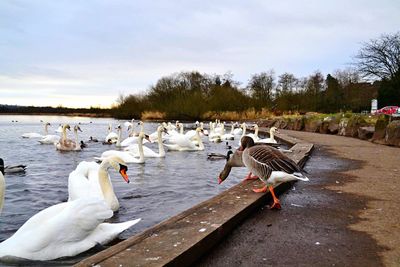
(92,179)
(147,152)
(127,156)
(66,144)
(62,230)
(36,135)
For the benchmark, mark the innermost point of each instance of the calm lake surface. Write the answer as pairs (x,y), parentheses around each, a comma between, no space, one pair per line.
(159,189)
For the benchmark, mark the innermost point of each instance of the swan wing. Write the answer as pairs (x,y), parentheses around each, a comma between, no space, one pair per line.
(83,181)
(58,231)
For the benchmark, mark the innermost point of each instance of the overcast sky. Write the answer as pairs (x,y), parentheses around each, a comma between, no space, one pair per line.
(83,53)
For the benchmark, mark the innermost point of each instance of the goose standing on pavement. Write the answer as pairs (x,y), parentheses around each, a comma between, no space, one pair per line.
(269,165)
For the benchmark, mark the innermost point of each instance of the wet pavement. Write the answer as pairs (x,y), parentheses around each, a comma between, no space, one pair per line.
(312,229)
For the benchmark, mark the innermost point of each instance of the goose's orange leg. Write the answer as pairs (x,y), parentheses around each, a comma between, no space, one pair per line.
(277,204)
(260,190)
(249,177)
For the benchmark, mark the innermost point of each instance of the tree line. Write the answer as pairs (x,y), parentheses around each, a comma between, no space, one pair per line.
(189,95)
(15,109)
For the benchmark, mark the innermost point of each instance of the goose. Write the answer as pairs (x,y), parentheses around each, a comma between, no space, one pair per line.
(183,143)
(271,139)
(269,165)
(127,156)
(231,161)
(62,230)
(66,144)
(148,153)
(36,135)
(111,136)
(92,179)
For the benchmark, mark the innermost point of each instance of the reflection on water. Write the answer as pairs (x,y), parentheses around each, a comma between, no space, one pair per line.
(159,189)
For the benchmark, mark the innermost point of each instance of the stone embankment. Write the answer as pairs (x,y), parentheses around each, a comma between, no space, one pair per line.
(385,131)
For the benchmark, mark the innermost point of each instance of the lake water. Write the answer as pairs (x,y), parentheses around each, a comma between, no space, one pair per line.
(159,189)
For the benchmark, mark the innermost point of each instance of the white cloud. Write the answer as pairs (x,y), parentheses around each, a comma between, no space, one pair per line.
(101,49)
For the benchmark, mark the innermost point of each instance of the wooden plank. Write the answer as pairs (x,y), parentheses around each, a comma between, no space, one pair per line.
(182,239)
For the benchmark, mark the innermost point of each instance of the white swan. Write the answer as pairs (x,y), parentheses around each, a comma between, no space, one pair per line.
(148,153)
(62,230)
(111,136)
(2,187)
(59,129)
(271,139)
(227,136)
(50,139)
(237,131)
(255,134)
(131,140)
(92,179)
(129,123)
(214,136)
(183,143)
(36,135)
(66,144)
(119,133)
(127,156)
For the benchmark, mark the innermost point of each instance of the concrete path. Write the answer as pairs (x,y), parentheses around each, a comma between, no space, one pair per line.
(348,215)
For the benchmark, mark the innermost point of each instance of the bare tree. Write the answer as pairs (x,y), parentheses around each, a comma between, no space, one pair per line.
(380,58)
(261,86)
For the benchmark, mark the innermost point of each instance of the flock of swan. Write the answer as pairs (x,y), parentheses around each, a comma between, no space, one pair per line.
(74,226)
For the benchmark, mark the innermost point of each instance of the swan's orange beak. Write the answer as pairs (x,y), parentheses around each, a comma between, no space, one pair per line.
(122,171)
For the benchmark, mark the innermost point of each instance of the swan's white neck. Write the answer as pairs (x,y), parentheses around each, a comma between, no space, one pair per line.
(256,131)
(232,128)
(180,128)
(271,134)
(2,190)
(106,186)
(119,137)
(64,133)
(201,145)
(244,131)
(140,147)
(161,150)
(77,145)
(46,132)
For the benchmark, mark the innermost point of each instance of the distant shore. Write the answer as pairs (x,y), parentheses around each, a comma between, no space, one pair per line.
(90,115)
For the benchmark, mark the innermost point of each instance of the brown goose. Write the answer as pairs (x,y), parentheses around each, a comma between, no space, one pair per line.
(270,166)
(231,161)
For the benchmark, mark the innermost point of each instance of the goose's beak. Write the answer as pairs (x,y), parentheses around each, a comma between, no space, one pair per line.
(122,171)
(220,180)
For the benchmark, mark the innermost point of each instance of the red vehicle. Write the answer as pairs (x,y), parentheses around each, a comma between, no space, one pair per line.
(388,110)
